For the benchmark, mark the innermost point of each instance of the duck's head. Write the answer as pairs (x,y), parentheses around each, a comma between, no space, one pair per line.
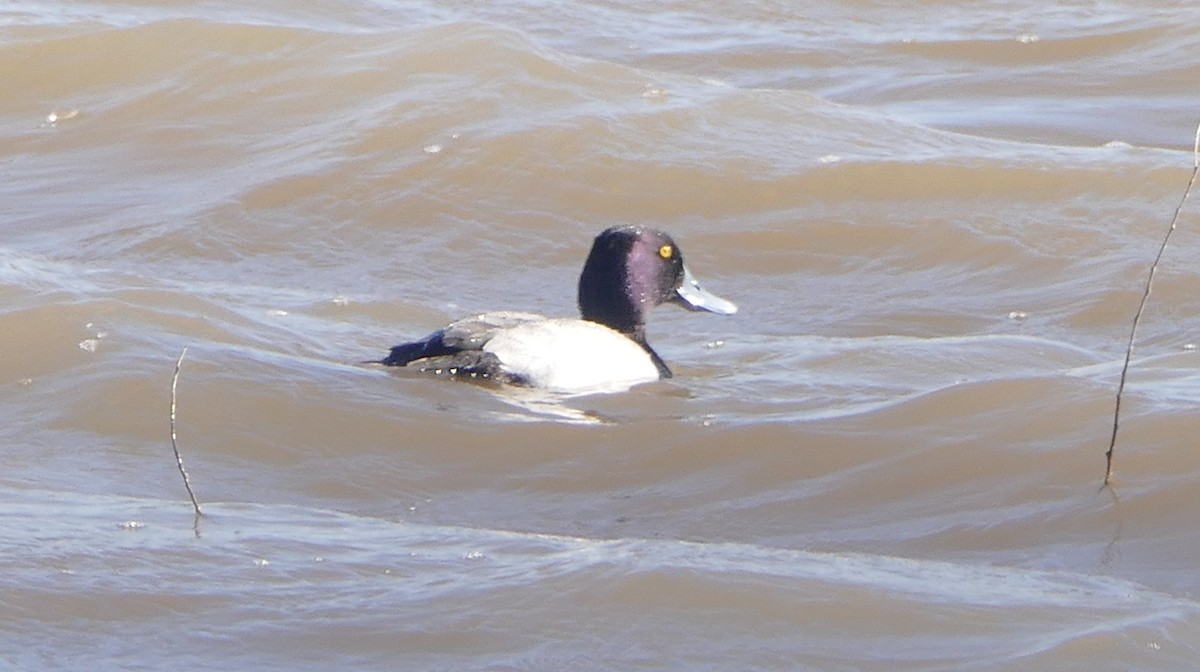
(632,269)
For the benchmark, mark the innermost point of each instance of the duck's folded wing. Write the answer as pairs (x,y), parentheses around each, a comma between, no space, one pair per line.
(473,332)
(465,337)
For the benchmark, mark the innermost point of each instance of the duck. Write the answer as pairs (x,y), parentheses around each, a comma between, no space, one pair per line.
(630,270)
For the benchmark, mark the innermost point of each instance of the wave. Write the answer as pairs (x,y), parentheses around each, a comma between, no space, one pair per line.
(782,602)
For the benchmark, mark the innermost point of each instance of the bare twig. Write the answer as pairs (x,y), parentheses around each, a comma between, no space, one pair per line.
(1137,317)
(174,446)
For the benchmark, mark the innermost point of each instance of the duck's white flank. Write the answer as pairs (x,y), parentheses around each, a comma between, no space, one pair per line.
(571,355)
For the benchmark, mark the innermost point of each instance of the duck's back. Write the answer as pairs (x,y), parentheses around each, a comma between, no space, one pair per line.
(527,349)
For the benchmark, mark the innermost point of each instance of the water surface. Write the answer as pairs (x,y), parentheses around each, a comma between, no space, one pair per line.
(936,221)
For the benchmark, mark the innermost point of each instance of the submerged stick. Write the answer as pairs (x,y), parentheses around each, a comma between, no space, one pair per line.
(1137,317)
(174,446)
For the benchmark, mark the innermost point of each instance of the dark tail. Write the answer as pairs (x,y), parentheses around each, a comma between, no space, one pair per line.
(402,354)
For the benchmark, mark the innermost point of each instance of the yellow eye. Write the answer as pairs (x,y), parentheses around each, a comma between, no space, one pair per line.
(666,251)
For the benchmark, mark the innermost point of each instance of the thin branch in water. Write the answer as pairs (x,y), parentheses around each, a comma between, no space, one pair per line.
(175,446)
(1137,317)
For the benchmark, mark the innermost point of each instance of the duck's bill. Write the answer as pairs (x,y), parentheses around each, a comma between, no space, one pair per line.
(692,296)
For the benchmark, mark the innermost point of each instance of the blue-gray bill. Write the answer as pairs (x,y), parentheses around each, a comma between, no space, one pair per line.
(694,297)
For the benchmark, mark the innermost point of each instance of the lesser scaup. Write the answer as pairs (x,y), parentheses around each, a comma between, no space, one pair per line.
(630,270)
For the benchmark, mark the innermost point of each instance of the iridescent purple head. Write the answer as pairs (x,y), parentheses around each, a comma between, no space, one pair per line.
(632,269)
